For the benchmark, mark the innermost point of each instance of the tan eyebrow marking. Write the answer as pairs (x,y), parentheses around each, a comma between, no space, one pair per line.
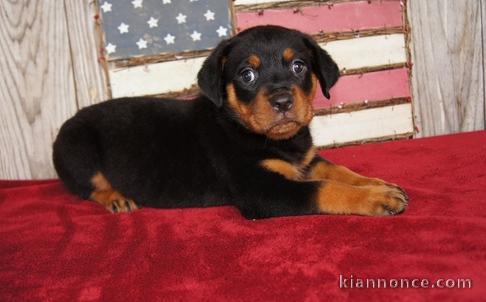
(254,61)
(288,54)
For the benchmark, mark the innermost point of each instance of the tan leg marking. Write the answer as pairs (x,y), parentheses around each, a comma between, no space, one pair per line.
(309,156)
(323,170)
(107,196)
(339,198)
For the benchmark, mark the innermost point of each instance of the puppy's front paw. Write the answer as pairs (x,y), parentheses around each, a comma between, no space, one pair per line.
(385,200)
(122,206)
(371,200)
(371,181)
(113,201)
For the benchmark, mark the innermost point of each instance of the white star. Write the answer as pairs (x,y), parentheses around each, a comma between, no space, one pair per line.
(166,1)
(209,15)
(196,36)
(169,39)
(106,7)
(110,48)
(142,44)
(181,18)
(152,22)
(137,3)
(123,28)
(222,31)
(193,0)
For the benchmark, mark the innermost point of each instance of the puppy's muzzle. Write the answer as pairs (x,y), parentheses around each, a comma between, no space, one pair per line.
(282,102)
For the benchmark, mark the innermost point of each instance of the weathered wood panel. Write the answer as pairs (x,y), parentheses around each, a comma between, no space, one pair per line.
(250,2)
(177,75)
(155,78)
(367,52)
(390,121)
(90,79)
(340,17)
(448,79)
(352,89)
(483,22)
(37,90)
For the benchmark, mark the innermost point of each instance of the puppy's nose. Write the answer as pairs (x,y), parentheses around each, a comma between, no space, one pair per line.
(282,103)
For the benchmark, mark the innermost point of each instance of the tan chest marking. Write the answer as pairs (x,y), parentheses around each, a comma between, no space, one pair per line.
(289,170)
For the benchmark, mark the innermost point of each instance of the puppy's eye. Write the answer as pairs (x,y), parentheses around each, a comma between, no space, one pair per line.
(248,75)
(298,66)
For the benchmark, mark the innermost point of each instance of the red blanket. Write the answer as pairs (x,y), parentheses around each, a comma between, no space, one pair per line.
(56,247)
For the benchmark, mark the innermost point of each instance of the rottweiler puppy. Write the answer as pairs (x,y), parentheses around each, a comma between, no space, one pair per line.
(244,141)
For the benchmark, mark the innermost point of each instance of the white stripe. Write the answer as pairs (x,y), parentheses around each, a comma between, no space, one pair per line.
(367,51)
(361,125)
(178,75)
(154,78)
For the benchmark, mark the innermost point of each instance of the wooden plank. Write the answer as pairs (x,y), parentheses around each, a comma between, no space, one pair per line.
(354,53)
(155,78)
(36,85)
(91,85)
(251,2)
(367,51)
(321,38)
(483,22)
(335,129)
(353,89)
(448,80)
(362,106)
(345,16)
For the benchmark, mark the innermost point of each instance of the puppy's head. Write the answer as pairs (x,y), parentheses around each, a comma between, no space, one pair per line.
(267,78)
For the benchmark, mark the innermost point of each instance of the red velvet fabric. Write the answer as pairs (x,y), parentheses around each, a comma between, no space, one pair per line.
(56,247)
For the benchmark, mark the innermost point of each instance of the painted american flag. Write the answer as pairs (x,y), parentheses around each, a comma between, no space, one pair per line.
(149,27)
(368,40)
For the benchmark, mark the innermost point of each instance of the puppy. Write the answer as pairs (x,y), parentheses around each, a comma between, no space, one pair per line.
(244,141)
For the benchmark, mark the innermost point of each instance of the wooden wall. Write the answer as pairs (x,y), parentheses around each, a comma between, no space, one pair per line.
(49,62)
(49,70)
(449,56)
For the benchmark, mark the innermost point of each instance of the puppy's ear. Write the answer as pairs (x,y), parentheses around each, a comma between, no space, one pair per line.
(323,66)
(210,76)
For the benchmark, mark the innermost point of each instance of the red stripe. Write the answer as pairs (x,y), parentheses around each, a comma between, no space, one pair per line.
(346,16)
(372,86)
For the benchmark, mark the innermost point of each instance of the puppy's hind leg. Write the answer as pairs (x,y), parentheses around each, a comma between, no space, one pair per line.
(76,157)
(106,195)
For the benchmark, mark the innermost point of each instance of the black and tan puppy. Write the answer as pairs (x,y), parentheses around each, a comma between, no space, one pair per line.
(245,141)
